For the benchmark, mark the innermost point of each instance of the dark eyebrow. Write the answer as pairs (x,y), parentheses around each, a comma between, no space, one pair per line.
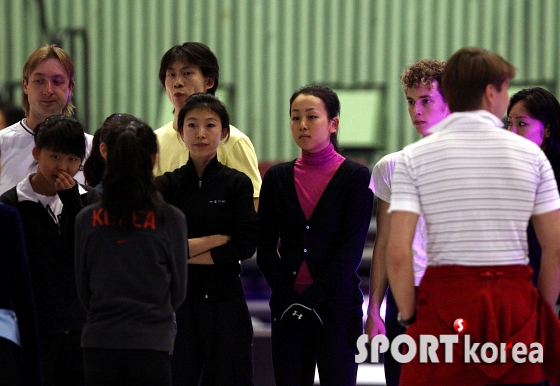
(306,110)
(187,67)
(205,119)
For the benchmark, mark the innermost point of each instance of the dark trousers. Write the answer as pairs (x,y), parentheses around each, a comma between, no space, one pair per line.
(296,351)
(11,363)
(108,367)
(214,344)
(392,329)
(61,359)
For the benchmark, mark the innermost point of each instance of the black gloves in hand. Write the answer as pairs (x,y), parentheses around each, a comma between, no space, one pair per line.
(298,314)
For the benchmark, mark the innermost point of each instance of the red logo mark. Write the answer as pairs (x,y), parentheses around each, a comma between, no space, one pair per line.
(121,241)
(460,325)
(508,346)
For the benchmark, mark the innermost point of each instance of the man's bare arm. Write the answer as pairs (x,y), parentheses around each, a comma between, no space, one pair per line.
(378,282)
(547,227)
(400,269)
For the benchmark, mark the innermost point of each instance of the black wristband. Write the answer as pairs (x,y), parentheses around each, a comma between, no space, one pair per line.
(407,322)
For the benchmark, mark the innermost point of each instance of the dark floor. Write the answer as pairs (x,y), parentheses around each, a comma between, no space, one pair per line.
(368,374)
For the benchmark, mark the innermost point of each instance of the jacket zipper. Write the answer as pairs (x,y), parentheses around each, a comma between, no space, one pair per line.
(200,187)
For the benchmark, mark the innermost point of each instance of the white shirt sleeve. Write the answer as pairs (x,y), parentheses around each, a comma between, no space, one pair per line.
(405,195)
(381,176)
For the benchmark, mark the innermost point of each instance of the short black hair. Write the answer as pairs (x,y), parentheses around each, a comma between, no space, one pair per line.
(62,134)
(203,101)
(12,113)
(193,53)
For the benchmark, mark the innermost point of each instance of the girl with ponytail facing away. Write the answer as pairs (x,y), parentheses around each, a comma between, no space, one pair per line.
(131,268)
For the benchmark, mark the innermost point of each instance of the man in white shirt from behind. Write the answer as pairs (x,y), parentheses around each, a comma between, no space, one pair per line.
(477,186)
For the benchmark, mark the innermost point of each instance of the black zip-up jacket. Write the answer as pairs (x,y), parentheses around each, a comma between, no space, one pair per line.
(15,290)
(221,202)
(51,259)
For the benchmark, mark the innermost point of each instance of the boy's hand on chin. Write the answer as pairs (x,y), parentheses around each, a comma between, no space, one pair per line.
(64,181)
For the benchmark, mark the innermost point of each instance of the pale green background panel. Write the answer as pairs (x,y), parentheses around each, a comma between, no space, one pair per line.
(362,118)
(269,48)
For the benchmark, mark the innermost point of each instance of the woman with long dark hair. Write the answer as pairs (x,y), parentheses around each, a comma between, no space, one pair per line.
(534,113)
(94,167)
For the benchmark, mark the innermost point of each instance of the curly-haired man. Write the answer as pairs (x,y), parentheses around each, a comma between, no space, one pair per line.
(421,83)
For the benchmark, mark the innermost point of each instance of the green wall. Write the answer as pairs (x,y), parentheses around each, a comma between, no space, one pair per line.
(269,48)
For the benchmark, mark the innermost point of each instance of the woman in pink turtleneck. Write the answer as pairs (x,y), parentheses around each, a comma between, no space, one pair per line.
(314,216)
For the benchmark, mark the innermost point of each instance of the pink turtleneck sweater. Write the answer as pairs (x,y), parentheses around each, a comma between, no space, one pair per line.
(312,174)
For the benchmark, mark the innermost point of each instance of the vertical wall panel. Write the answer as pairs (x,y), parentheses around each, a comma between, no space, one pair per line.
(298,41)
(6,39)
(317,57)
(364,41)
(267,133)
(457,20)
(269,48)
(108,57)
(517,43)
(535,30)
(417,40)
(255,72)
(439,18)
(333,23)
(152,59)
(242,64)
(549,53)
(396,36)
(288,70)
(472,31)
(418,36)
(483,21)
(347,58)
(226,49)
(380,59)
(195,12)
(502,28)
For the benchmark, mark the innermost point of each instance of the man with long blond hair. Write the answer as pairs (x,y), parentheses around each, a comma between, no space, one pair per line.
(48,83)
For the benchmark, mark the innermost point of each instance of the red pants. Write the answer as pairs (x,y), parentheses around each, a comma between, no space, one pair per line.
(499,305)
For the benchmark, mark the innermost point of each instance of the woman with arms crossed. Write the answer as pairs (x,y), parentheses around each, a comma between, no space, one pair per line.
(214,330)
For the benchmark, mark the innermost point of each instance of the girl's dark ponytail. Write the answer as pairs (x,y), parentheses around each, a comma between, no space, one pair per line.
(128,184)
